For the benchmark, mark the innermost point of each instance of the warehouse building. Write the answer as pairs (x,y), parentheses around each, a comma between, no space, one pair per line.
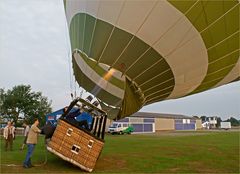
(144,122)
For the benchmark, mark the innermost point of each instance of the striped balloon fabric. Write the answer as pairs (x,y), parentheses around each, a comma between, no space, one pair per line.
(134,53)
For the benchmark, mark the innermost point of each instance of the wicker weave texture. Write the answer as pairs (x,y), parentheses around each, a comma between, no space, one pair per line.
(76,144)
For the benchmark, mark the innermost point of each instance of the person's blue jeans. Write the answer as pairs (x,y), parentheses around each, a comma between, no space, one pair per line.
(27,161)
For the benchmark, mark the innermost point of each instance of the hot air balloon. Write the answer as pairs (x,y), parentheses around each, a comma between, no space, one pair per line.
(130,54)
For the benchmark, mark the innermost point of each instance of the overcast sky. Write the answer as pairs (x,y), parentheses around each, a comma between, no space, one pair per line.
(34,50)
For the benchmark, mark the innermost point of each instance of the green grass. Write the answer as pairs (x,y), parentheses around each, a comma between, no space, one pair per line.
(177,152)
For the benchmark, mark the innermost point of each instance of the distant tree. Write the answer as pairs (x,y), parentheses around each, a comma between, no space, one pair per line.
(203,118)
(21,100)
(234,121)
(195,117)
(1,96)
(219,120)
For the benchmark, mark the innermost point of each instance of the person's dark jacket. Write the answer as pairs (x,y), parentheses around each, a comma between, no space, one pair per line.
(48,130)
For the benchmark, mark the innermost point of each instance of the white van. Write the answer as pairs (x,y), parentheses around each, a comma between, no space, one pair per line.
(120,128)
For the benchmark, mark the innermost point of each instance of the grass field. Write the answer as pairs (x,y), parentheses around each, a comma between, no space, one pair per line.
(171,152)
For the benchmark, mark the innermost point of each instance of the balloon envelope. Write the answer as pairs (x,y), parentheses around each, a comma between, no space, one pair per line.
(134,53)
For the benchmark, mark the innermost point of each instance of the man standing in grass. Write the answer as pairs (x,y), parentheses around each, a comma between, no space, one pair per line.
(31,142)
(8,134)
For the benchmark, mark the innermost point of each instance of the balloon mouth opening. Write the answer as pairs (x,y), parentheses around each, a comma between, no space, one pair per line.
(109,71)
(97,78)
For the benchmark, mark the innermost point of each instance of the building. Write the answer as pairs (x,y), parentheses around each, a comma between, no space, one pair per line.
(209,122)
(213,121)
(144,122)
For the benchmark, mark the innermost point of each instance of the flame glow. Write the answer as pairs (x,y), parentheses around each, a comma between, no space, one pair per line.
(102,82)
(109,74)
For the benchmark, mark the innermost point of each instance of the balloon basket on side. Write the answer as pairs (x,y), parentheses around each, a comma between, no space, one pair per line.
(77,145)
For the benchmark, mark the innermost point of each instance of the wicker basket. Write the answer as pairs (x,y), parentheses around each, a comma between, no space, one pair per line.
(75,145)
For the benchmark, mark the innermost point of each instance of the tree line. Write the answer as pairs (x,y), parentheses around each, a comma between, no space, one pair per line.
(21,101)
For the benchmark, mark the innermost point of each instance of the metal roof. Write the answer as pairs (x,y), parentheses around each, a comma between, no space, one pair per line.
(160,115)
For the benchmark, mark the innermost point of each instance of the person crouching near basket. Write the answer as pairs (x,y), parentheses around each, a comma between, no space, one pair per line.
(31,143)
